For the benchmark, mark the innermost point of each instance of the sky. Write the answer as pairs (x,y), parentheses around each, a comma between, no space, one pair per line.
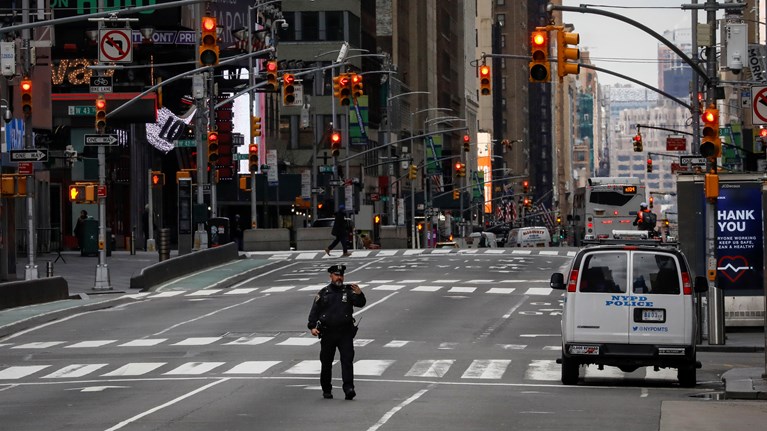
(622,48)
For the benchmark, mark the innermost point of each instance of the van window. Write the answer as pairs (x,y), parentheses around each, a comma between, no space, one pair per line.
(604,273)
(656,274)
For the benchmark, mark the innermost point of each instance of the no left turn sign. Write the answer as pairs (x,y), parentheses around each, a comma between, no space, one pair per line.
(115,45)
(759,105)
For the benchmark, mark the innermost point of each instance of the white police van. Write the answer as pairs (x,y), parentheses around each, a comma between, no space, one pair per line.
(629,305)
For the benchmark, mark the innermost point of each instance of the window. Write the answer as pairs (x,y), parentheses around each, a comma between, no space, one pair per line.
(500,2)
(334,25)
(501,19)
(310,26)
(655,274)
(609,198)
(604,273)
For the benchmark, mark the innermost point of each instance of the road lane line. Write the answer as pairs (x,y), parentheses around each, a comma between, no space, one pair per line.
(385,418)
(162,406)
(212,313)
(368,307)
(18,372)
(261,275)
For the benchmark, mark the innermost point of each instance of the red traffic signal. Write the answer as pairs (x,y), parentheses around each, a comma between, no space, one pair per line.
(26,96)
(335,143)
(484,80)
(763,133)
(525,186)
(209,50)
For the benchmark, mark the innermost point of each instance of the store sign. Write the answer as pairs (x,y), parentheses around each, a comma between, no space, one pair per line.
(75,71)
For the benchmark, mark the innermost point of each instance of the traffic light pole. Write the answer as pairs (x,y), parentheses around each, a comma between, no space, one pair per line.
(102,281)
(30,272)
(150,245)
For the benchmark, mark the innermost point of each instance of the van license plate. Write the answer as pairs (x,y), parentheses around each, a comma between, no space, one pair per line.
(584,350)
(653,315)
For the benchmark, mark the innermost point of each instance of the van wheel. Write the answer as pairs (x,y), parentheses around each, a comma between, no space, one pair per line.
(570,371)
(687,376)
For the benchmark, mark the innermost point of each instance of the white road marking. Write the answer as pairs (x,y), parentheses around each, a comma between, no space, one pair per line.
(168,294)
(313,287)
(462,289)
(241,291)
(277,289)
(612,372)
(411,252)
(380,281)
(385,418)
(440,251)
(248,341)
(426,288)
(387,253)
(306,256)
(478,281)
(396,343)
(496,251)
(306,367)
(522,252)
(370,367)
(411,281)
(252,367)
(430,368)
(38,345)
(445,281)
(90,344)
(467,250)
(486,369)
(512,346)
(74,371)
(146,342)
(538,291)
(299,341)
(204,292)
(501,290)
(134,369)
(361,253)
(197,341)
(362,342)
(194,368)
(548,253)
(552,348)
(369,306)
(543,369)
(19,372)
(389,287)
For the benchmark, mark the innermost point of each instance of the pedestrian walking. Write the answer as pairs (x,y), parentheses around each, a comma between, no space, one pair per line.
(79,230)
(340,232)
(331,319)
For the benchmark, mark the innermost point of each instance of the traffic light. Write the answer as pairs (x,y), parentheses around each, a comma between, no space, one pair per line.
(412,172)
(525,186)
(212,148)
(529,202)
(460,169)
(341,90)
(485,84)
(466,143)
(82,193)
(456,194)
(288,89)
(526,202)
(255,128)
(271,76)
(357,86)
(559,220)
(377,219)
(762,140)
(649,165)
(539,51)
(26,97)
(638,143)
(253,158)
(652,201)
(566,52)
(335,143)
(158,179)
(209,42)
(101,114)
(711,145)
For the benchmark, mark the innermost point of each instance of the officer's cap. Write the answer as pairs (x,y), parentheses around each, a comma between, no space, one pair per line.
(337,269)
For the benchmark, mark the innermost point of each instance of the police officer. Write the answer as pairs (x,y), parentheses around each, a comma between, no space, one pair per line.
(331,320)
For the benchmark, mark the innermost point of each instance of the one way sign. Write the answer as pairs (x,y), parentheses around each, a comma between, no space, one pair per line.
(29,155)
(100,139)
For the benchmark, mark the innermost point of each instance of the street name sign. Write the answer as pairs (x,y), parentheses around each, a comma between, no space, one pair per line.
(692,160)
(184,143)
(33,155)
(100,139)
(81,110)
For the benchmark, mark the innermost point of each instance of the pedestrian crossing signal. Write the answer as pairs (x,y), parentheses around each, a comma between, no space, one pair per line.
(158,179)
(82,193)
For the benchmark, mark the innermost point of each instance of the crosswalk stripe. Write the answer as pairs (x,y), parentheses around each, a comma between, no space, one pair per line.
(522,252)
(19,372)
(362,342)
(193,368)
(440,251)
(543,369)
(512,346)
(478,281)
(486,369)
(501,290)
(361,253)
(241,291)
(468,250)
(496,251)
(548,253)
(134,369)
(538,291)
(370,367)
(430,368)
(552,347)
(396,343)
(252,367)
(168,294)
(146,342)
(462,289)
(305,367)
(299,341)
(411,252)
(204,292)
(445,281)
(313,287)
(426,288)
(306,256)
(38,345)
(74,371)
(447,346)
(411,281)
(248,341)
(197,341)
(389,287)
(388,253)
(277,289)
(90,344)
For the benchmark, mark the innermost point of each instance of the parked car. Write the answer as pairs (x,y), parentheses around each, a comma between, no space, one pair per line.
(629,306)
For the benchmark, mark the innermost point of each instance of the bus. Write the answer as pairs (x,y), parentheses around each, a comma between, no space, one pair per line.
(604,205)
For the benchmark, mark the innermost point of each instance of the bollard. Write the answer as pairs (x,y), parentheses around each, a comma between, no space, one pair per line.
(133,242)
(164,244)
(49,268)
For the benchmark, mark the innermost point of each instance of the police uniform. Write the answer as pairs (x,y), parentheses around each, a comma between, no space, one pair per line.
(331,313)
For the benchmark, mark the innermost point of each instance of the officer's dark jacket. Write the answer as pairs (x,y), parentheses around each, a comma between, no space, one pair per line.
(330,309)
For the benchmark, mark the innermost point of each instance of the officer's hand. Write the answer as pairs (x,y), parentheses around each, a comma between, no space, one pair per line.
(315,332)
(356,289)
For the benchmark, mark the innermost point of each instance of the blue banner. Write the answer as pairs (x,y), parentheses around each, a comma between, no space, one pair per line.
(739,238)
(14,134)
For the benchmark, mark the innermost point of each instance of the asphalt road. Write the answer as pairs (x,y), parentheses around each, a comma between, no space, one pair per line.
(447,342)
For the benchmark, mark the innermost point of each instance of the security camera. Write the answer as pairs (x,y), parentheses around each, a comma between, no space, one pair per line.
(7,116)
(285,25)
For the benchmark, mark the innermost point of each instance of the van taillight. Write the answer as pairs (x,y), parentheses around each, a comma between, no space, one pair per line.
(686,286)
(573,281)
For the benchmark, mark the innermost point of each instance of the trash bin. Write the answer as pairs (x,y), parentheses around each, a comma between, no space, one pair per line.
(89,243)
(218,231)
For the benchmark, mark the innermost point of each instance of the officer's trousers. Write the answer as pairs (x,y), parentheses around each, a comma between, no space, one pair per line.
(344,341)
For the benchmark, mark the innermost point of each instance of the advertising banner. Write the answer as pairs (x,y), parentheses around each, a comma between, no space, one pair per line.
(739,238)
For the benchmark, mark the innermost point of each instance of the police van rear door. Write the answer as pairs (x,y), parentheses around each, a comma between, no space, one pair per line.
(601,312)
(660,312)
